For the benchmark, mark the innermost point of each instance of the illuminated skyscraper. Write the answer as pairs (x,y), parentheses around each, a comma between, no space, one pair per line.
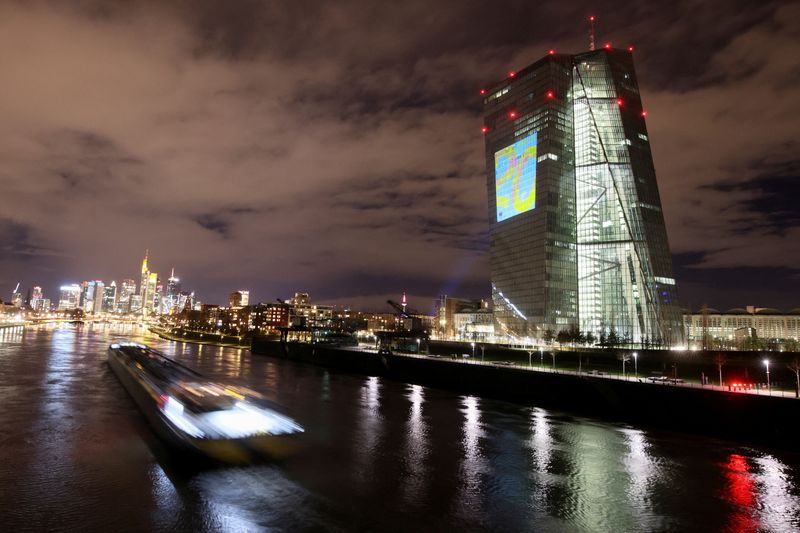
(143,284)
(110,298)
(127,289)
(148,289)
(577,233)
(36,298)
(69,297)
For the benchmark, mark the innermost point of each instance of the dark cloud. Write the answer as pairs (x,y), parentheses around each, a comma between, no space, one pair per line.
(334,147)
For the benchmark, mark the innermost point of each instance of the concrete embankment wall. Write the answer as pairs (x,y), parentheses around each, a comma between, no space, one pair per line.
(738,416)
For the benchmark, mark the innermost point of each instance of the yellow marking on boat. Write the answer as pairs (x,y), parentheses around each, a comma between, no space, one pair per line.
(234,394)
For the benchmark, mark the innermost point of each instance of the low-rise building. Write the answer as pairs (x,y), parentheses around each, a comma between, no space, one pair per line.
(709,328)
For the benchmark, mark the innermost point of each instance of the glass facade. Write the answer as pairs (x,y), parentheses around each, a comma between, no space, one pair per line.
(594,252)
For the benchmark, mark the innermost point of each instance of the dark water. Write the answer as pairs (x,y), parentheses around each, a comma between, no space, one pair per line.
(75,454)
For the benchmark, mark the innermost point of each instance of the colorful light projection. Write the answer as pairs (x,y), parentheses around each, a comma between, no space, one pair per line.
(515,178)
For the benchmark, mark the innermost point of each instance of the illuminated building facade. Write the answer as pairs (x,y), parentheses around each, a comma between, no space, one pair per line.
(110,298)
(69,297)
(239,299)
(36,298)
(577,233)
(144,285)
(126,290)
(721,327)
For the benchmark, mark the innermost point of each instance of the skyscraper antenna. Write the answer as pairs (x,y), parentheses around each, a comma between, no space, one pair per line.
(591,33)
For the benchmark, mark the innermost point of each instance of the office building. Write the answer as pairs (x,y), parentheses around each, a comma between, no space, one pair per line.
(577,232)
(36,297)
(126,289)
(710,328)
(239,299)
(69,297)
(110,298)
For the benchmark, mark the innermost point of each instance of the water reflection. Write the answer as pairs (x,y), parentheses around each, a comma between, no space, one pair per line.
(9,335)
(740,492)
(775,501)
(381,455)
(416,448)
(473,464)
(644,473)
(369,429)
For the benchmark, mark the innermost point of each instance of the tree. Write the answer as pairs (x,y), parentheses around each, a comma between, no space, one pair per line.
(794,366)
(627,340)
(613,338)
(590,338)
(548,336)
(574,334)
(603,340)
(720,359)
(624,357)
(563,337)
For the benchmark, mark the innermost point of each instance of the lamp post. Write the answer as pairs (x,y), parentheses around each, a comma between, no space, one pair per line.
(623,368)
(418,343)
(541,357)
(473,349)
(769,390)
(636,364)
(483,348)
(530,353)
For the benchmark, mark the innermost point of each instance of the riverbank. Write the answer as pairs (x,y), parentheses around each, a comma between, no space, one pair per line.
(201,337)
(739,416)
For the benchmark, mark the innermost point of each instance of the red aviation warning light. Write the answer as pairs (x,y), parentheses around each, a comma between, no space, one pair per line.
(512,74)
(607,46)
(512,114)
(551,52)
(484,130)
(551,94)
(619,101)
(483,91)
(644,113)
(630,49)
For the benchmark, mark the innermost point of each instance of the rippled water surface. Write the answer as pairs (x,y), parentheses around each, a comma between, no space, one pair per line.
(75,453)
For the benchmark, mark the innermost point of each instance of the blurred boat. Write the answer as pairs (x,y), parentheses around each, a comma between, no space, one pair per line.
(218,420)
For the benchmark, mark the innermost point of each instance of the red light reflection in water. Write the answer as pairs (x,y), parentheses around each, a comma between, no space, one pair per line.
(740,491)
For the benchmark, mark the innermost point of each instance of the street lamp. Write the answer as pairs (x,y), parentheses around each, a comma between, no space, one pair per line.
(636,364)
(623,368)
(418,341)
(541,357)
(530,353)
(483,348)
(769,390)
(473,349)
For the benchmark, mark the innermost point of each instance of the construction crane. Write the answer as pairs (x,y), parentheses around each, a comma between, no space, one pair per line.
(402,311)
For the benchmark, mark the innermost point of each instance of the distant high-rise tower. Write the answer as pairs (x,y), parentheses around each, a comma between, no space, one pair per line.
(577,233)
(143,285)
(69,297)
(110,298)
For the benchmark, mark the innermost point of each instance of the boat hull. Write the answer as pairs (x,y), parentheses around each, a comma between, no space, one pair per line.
(145,394)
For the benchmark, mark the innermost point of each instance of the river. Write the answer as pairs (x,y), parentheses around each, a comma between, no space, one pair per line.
(379,455)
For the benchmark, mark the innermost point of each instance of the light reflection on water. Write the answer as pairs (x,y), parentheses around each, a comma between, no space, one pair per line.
(416,448)
(381,455)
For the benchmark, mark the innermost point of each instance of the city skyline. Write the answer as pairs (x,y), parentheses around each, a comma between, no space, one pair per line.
(288,193)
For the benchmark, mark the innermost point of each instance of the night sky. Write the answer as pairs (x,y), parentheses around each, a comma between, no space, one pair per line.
(335,147)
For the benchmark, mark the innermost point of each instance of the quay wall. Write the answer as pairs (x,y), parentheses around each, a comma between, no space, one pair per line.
(748,418)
